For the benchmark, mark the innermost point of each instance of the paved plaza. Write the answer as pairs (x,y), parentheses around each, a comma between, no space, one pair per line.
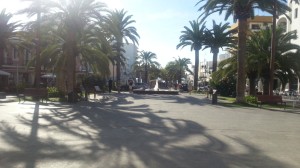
(147,131)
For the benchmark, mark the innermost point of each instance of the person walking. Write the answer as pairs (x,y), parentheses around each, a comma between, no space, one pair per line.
(130,86)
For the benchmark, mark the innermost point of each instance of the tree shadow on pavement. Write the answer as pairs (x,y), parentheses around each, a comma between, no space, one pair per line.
(118,134)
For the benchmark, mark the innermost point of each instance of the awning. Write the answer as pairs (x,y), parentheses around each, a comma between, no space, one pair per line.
(4,73)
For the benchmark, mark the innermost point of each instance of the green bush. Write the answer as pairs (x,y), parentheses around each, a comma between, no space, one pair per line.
(225,87)
(250,99)
(54,92)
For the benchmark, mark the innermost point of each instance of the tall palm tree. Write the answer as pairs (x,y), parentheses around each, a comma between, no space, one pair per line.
(241,10)
(194,38)
(118,24)
(8,35)
(71,18)
(216,38)
(37,7)
(147,60)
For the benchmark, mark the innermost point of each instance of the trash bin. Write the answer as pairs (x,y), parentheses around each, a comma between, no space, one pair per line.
(214,99)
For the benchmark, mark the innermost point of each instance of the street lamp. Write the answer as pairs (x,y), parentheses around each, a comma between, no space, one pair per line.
(273,50)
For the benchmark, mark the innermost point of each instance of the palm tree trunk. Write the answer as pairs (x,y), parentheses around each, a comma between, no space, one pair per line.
(71,61)
(180,74)
(196,69)
(241,77)
(215,60)
(266,86)
(146,73)
(38,51)
(252,76)
(118,63)
(273,50)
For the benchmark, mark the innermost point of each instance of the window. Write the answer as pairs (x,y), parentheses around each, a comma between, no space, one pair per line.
(255,27)
(296,13)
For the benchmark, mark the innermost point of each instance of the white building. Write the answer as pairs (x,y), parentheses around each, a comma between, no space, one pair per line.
(292,24)
(130,54)
(205,69)
(222,57)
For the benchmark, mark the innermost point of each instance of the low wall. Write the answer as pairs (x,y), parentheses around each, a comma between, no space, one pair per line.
(156,92)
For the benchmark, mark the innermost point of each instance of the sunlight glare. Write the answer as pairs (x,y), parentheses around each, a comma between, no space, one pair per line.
(113,4)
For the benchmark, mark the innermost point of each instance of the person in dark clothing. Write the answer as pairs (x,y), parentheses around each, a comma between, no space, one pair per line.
(110,85)
(130,86)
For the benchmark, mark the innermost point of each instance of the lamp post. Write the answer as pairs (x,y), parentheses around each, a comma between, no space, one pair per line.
(273,50)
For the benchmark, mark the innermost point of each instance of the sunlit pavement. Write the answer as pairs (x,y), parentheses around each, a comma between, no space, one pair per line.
(146,131)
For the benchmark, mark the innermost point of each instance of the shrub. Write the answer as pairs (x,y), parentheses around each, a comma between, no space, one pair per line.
(250,99)
(54,92)
(225,87)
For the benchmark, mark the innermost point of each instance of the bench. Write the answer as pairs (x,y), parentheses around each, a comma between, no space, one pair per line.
(39,93)
(267,99)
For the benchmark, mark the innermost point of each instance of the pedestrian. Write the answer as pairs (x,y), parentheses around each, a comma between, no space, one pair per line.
(210,92)
(110,85)
(130,86)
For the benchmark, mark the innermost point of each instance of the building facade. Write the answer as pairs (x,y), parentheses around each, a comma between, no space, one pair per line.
(256,24)
(15,62)
(130,54)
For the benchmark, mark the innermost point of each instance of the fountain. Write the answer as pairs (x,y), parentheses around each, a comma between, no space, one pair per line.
(155,87)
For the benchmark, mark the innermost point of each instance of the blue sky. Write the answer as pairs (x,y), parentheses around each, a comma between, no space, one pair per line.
(158,22)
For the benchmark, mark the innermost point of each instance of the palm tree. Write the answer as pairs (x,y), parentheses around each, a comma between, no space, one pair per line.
(36,8)
(71,19)
(216,38)
(118,25)
(8,35)
(242,10)
(180,67)
(147,60)
(259,56)
(194,38)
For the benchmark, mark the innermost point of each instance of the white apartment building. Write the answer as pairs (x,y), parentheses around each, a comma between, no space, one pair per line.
(292,24)
(131,53)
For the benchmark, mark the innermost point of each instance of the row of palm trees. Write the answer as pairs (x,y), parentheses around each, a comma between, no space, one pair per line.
(66,31)
(286,63)
(200,37)
(241,10)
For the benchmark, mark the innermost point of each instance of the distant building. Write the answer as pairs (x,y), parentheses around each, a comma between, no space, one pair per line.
(257,23)
(15,62)
(222,57)
(130,54)
(205,70)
